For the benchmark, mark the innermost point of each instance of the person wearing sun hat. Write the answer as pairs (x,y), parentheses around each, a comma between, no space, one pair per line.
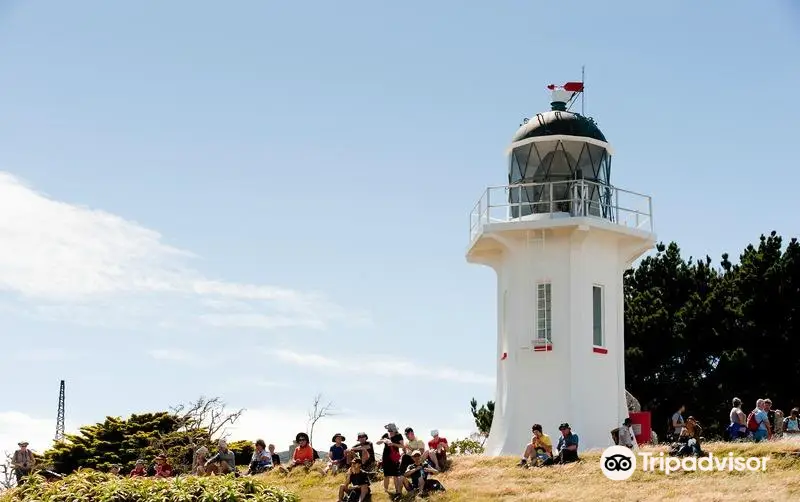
(23,462)
(337,458)
(567,445)
(303,455)
(393,446)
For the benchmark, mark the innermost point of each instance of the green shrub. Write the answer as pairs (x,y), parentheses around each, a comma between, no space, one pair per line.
(86,485)
(123,441)
(465,446)
(243,450)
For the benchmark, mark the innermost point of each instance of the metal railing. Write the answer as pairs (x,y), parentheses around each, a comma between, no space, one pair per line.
(559,199)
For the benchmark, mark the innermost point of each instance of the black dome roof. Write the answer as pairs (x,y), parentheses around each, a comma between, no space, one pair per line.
(556,122)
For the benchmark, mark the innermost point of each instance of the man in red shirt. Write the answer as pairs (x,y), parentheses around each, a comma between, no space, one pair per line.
(163,469)
(438,451)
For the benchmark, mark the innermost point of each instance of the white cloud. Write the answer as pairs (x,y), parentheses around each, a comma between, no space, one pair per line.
(382,365)
(16,426)
(176,355)
(43,354)
(70,263)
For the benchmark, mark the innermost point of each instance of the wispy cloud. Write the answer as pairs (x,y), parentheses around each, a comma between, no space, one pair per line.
(16,426)
(177,356)
(72,263)
(45,354)
(381,365)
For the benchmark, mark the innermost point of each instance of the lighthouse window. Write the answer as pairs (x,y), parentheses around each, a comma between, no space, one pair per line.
(597,315)
(543,315)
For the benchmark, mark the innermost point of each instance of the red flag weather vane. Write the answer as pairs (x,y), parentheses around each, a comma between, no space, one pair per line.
(569,87)
(565,94)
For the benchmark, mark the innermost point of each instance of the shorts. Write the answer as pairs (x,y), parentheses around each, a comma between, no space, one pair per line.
(391,468)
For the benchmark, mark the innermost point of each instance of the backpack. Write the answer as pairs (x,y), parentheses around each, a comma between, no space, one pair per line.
(752,423)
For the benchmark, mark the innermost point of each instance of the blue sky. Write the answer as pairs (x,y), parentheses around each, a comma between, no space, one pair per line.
(267,200)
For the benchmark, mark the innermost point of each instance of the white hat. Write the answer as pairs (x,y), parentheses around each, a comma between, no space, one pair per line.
(416,453)
(435,432)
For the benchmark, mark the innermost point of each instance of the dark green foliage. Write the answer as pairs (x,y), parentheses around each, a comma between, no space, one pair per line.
(699,336)
(483,416)
(243,451)
(92,486)
(118,441)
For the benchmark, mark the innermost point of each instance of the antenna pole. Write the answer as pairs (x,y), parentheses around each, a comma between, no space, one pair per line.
(583,93)
(60,418)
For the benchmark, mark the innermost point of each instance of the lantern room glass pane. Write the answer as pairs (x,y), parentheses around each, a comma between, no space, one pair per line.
(550,168)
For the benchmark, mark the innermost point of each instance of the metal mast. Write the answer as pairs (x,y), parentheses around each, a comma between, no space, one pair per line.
(60,418)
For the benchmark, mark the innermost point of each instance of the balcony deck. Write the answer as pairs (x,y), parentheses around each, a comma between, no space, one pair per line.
(529,202)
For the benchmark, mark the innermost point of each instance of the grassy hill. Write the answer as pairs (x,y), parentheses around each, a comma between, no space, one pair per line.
(478,479)
(472,478)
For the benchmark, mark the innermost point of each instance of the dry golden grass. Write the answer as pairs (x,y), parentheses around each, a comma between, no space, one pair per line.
(478,479)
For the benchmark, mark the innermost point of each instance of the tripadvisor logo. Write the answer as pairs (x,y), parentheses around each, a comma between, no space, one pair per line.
(618,463)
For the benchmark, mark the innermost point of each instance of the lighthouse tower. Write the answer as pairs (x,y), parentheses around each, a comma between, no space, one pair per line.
(559,236)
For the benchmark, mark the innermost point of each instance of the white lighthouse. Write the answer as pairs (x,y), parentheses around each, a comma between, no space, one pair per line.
(559,236)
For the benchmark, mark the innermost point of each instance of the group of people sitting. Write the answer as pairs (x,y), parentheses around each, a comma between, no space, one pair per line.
(539,452)
(407,462)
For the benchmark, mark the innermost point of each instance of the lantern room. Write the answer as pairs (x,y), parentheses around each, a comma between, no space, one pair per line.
(559,164)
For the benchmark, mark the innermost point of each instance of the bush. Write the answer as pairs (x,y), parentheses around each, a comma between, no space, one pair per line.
(243,451)
(93,486)
(465,446)
(123,441)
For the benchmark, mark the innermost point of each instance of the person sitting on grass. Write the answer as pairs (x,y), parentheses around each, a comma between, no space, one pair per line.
(413,443)
(200,457)
(303,455)
(261,461)
(224,462)
(163,469)
(276,459)
(337,460)
(416,478)
(437,451)
(539,451)
(139,470)
(365,451)
(567,446)
(356,484)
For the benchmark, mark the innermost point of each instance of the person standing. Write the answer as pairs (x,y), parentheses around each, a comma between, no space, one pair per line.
(738,426)
(627,437)
(23,462)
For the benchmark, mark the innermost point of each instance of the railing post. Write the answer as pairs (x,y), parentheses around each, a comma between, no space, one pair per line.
(488,204)
(616,203)
(650,210)
(550,197)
